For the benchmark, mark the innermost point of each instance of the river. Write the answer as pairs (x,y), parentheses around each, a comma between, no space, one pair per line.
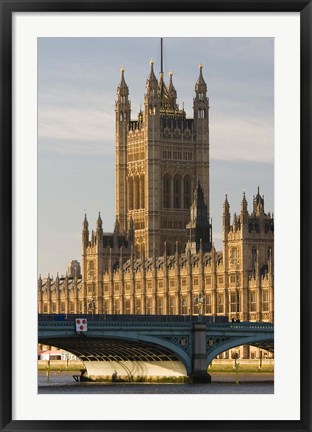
(222,383)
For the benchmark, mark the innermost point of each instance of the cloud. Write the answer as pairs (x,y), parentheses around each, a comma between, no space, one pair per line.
(238,138)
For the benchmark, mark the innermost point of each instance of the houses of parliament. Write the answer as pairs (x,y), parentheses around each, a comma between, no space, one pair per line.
(160,257)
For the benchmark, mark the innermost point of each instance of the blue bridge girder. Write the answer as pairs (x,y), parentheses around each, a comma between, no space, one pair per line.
(152,338)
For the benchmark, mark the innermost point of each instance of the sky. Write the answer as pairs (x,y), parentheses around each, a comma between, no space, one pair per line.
(77,82)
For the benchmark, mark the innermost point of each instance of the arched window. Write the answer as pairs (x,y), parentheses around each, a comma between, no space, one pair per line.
(130,191)
(166,191)
(187,191)
(137,251)
(142,192)
(201,113)
(176,192)
(136,193)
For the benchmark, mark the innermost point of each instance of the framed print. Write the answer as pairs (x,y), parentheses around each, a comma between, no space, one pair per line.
(187,305)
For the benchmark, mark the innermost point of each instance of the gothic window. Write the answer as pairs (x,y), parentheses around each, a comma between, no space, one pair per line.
(234,302)
(265,300)
(149,306)
(208,304)
(220,302)
(177,192)
(120,116)
(253,257)
(138,306)
(171,305)
(142,192)
(187,192)
(136,193)
(201,113)
(130,189)
(252,303)
(208,281)
(234,256)
(166,191)
(80,307)
(269,252)
(160,306)
(184,306)
(201,96)
(117,306)
(127,306)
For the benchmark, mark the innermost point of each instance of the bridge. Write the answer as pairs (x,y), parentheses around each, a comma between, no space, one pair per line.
(137,346)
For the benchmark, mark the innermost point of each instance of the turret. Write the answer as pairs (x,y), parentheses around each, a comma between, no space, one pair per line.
(122,106)
(99,228)
(244,211)
(85,232)
(172,91)
(226,215)
(123,114)
(152,96)
(151,83)
(201,102)
(258,204)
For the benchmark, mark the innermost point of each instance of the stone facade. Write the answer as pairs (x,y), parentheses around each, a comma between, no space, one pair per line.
(237,282)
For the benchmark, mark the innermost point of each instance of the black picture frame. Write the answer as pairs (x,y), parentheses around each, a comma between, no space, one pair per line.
(7,8)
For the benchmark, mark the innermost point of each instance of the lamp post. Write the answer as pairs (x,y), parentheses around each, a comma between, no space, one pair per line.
(91,305)
(199,301)
(235,356)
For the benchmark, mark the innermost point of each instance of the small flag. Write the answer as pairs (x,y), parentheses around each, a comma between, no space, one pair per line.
(81,325)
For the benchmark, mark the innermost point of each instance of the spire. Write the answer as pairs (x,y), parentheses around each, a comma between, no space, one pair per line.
(172,91)
(201,86)
(258,203)
(85,224)
(99,222)
(122,88)
(226,205)
(244,203)
(151,78)
(85,232)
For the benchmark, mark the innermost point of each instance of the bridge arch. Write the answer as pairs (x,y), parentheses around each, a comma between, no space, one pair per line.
(228,343)
(124,349)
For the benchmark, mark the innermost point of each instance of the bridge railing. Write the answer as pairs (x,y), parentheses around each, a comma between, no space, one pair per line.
(134,318)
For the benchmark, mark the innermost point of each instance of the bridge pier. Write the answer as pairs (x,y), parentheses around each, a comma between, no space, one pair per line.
(199,358)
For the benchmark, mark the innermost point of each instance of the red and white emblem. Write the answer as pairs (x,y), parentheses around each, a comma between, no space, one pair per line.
(81,325)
